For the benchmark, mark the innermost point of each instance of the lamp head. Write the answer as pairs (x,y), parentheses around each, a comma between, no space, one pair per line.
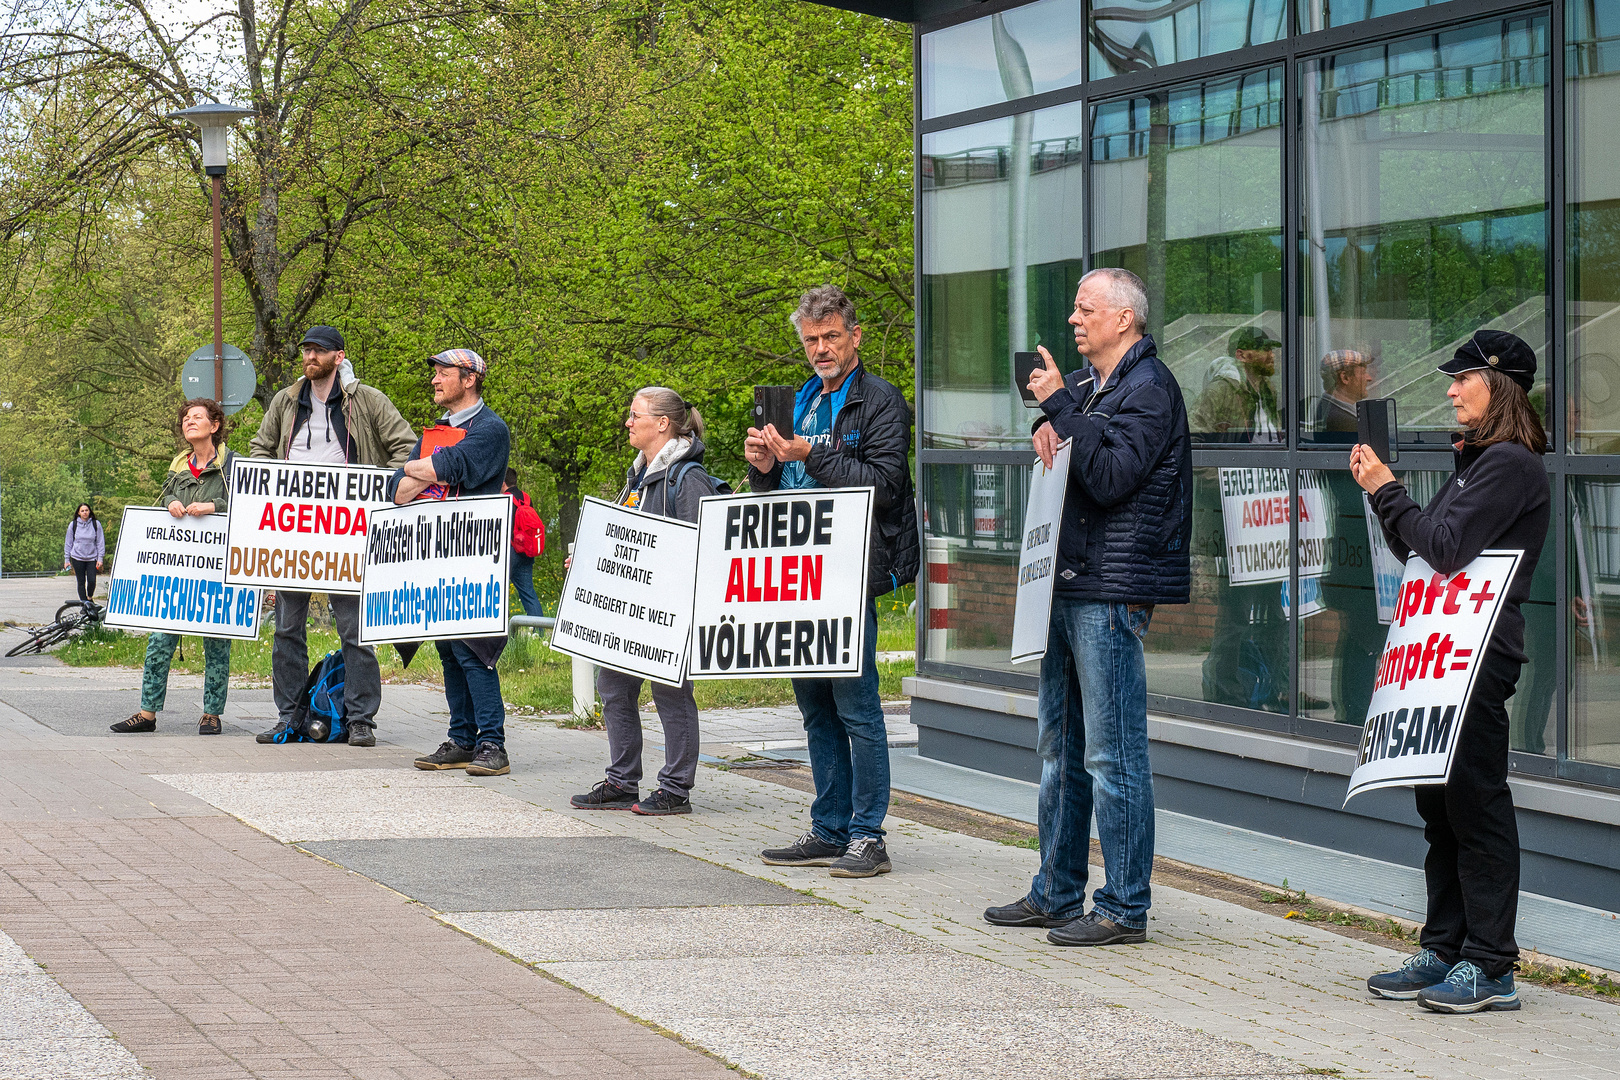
(213,119)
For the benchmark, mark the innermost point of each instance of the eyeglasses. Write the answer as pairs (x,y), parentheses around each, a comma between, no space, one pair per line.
(643,415)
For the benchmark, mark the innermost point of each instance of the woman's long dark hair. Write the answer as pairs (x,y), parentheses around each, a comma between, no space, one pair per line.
(1509,417)
(84,506)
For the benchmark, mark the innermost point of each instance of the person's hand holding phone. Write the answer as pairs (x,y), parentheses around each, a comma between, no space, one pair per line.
(757,453)
(1046,380)
(796,448)
(1367,470)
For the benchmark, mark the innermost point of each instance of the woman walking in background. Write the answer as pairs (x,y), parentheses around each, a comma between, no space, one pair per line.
(83,549)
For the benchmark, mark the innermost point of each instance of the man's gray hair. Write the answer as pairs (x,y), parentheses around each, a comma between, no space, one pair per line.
(823,302)
(1125,290)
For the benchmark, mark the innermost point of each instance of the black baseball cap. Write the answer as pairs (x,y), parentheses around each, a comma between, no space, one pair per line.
(1495,350)
(1252,339)
(326,337)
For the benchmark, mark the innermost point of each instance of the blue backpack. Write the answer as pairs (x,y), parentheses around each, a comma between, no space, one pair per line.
(319,717)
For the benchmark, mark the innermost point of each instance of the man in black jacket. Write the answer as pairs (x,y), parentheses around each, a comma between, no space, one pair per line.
(853,430)
(1122,549)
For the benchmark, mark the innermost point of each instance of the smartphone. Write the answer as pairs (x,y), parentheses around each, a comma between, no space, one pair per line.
(1376,427)
(1025,364)
(774,405)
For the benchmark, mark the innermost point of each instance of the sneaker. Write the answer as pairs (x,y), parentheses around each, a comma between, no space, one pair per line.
(866,857)
(1467,990)
(1021,913)
(447,756)
(281,733)
(807,850)
(362,734)
(1093,928)
(605,796)
(1421,970)
(662,802)
(490,760)
(137,722)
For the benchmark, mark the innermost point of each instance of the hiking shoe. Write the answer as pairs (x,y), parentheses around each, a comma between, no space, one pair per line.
(605,796)
(362,734)
(866,857)
(1093,928)
(1421,970)
(447,756)
(137,722)
(807,850)
(490,760)
(209,724)
(282,732)
(1021,913)
(663,802)
(1467,990)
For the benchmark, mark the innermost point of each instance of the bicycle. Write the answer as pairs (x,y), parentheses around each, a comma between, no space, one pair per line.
(72,618)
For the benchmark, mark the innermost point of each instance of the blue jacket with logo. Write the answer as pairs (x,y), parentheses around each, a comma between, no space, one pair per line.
(1127,516)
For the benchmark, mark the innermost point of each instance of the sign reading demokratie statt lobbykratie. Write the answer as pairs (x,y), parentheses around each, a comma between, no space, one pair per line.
(169,574)
(437,570)
(1037,558)
(627,603)
(299,526)
(1428,669)
(781,584)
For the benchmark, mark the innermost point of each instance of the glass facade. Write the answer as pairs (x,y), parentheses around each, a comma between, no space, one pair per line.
(1321,223)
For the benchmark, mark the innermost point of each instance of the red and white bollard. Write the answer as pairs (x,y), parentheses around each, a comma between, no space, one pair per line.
(939,597)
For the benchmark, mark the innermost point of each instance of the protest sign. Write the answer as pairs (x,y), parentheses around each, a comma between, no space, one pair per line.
(1428,669)
(627,603)
(169,575)
(437,570)
(1037,560)
(1255,510)
(301,527)
(781,584)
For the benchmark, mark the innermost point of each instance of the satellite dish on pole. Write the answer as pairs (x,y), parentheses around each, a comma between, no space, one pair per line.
(197,377)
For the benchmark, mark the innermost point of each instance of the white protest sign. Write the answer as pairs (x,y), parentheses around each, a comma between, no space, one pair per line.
(1387,569)
(781,584)
(437,570)
(1428,669)
(1255,508)
(169,575)
(627,603)
(1037,559)
(299,526)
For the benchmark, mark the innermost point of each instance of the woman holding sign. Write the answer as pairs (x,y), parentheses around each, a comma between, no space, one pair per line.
(197,485)
(667,479)
(1498,499)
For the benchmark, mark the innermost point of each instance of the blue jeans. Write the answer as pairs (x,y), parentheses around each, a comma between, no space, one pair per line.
(849,748)
(1094,754)
(523,582)
(477,713)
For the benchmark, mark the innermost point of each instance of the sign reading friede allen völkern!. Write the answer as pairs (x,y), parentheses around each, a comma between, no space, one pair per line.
(781,584)
(437,570)
(301,526)
(168,574)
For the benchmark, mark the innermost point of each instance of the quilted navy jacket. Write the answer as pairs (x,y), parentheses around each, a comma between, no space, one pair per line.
(1127,517)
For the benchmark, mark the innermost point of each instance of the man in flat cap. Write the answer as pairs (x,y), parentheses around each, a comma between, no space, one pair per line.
(328,416)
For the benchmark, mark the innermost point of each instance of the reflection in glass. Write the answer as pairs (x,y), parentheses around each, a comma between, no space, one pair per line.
(972,517)
(1133,35)
(1189,196)
(1425,208)
(1001,233)
(1003,57)
(1321,14)
(1592,65)
(1594,619)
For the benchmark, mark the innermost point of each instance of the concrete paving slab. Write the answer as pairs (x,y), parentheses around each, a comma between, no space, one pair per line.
(47,1035)
(549,873)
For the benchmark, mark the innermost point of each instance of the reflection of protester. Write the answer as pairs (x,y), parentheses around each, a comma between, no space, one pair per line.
(198,484)
(1347,377)
(1239,404)
(1349,589)
(474,465)
(853,430)
(1499,500)
(1122,548)
(667,434)
(83,548)
(528,541)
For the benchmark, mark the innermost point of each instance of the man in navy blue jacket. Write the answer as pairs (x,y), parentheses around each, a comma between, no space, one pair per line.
(1122,549)
(476,465)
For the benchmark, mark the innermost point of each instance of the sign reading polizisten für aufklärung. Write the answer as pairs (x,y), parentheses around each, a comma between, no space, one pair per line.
(437,570)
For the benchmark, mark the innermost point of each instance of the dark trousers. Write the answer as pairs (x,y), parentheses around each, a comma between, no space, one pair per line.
(289,658)
(473,691)
(85,571)
(1472,869)
(621,716)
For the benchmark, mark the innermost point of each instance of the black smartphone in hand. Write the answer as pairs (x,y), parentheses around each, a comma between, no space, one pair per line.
(774,405)
(1376,427)
(1026,364)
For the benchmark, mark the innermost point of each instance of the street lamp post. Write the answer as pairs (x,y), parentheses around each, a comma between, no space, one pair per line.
(213,120)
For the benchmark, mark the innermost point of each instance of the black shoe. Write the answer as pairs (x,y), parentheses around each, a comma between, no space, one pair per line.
(866,857)
(283,732)
(135,723)
(490,760)
(1094,929)
(807,850)
(362,734)
(605,796)
(662,802)
(447,756)
(1020,913)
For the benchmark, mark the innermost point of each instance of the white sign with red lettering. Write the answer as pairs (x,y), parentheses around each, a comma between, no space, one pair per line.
(1430,660)
(1255,508)
(300,526)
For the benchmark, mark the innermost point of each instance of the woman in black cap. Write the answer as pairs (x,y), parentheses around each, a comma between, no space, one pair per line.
(1498,499)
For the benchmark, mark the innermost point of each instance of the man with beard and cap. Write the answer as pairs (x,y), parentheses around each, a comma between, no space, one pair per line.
(329,416)
(473,464)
